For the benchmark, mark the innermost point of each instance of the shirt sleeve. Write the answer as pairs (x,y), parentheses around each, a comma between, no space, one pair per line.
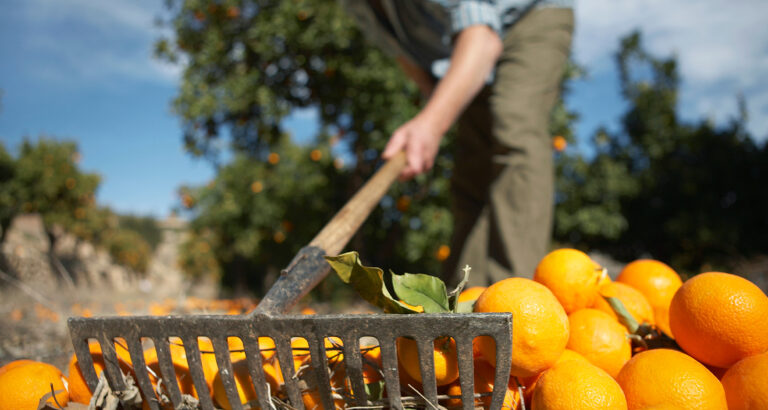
(471,12)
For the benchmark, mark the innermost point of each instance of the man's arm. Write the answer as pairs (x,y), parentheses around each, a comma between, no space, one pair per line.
(476,50)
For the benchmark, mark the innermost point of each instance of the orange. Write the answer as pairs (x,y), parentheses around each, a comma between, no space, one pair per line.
(312,401)
(600,339)
(540,330)
(575,384)
(484,375)
(243,383)
(559,143)
(15,363)
(181,366)
(446,362)
(471,294)
(657,282)
(665,376)
(746,383)
(634,301)
(719,318)
(78,389)
(529,384)
(24,385)
(571,276)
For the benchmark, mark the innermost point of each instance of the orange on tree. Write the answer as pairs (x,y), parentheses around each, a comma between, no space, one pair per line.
(634,301)
(78,389)
(484,375)
(243,384)
(600,339)
(669,377)
(572,276)
(657,282)
(746,383)
(719,318)
(446,361)
(24,385)
(577,385)
(540,331)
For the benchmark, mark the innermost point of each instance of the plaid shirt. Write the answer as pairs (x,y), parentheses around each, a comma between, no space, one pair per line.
(422,30)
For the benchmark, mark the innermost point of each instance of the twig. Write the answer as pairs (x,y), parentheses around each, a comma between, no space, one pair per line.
(26,289)
(423,398)
(62,270)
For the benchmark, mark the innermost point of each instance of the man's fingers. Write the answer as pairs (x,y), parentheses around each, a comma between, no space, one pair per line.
(395,144)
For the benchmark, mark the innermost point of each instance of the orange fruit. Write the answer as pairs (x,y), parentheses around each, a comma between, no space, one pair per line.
(78,389)
(575,384)
(634,301)
(484,375)
(600,339)
(657,282)
(746,383)
(529,384)
(243,383)
(540,330)
(559,143)
(181,366)
(470,294)
(15,363)
(24,385)
(719,318)
(312,401)
(446,361)
(665,376)
(571,276)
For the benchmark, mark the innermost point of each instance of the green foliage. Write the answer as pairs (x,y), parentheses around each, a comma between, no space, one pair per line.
(128,248)
(146,226)
(9,206)
(250,63)
(686,193)
(49,182)
(196,256)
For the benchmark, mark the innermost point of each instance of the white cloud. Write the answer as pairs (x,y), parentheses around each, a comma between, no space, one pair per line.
(721,48)
(93,40)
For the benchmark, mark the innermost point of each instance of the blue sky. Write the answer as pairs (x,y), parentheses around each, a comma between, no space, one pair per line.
(83,70)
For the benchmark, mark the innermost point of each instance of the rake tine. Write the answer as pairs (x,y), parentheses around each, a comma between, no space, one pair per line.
(353,364)
(466,371)
(85,361)
(221,351)
(427,362)
(285,357)
(140,369)
(196,370)
(167,370)
(319,361)
(503,365)
(391,377)
(256,369)
(112,365)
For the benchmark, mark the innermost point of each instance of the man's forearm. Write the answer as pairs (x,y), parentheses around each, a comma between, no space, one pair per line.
(476,50)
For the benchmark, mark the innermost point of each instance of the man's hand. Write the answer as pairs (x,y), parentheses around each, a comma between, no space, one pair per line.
(420,139)
(475,52)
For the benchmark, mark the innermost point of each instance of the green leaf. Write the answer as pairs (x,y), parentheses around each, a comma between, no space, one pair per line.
(375,390)
(465,307)
(423,290)
(453,297)
(367,281)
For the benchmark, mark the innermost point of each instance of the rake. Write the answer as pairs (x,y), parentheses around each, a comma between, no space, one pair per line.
(305,271)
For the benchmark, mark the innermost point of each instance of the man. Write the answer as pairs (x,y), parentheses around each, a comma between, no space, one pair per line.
(495,68)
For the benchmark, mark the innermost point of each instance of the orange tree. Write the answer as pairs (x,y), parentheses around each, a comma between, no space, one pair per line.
(247,65)
(685,192)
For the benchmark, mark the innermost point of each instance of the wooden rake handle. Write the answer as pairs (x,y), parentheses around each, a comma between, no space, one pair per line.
(308,268)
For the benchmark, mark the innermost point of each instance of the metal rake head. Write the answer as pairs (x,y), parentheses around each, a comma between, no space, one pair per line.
(135,332)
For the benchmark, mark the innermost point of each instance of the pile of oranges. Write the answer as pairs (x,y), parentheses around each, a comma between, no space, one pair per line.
(573,348)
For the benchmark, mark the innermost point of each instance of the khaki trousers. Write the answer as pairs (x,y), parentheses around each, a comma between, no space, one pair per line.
(503,182)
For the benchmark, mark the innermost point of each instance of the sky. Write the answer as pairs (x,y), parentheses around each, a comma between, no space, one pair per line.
(83,70)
